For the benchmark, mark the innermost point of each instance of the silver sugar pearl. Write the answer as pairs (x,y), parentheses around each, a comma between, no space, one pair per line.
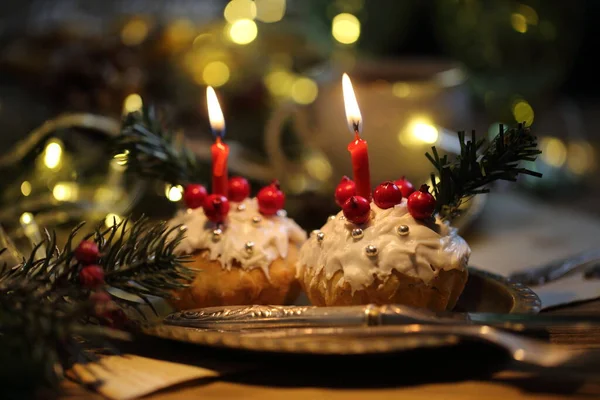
(371,250)
(342,217)
(357,233)
(256,220)
(282,213)
(217,234)
(315,232)
(249,247)
(320,236)
(403,230)
(241,207)
(331,217)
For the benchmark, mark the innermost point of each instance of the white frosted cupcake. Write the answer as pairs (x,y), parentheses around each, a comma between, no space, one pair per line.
(386,256)
(247,257)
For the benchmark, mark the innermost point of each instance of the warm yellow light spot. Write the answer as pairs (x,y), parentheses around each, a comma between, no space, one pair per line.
(122,158)
(26,218)
(65,191)
(215,73)
(279,82)
(215,114)
(418,131)
(304,91)
(239,9)
(180,32)
(425,132)
(270,10)
(53,154)
(26,188)
(523,112)
(345,28)
(134,32)
(201,40)
(112,220)
(518,22)
(353,115)
(554,151)
(297,183)
(401,89)
(580,157)
(132,103)
(243,31)
(318,167)
(529,13)
(174,193)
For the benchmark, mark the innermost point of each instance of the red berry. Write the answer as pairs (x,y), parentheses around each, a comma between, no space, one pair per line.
(357,209)
(421,203)
(116,319)
(387,195)
(270,199)
(194,195)
(344,190)
(216,207)
(87,252)
(102,302)
(91,276)
(405,187)
(239,189)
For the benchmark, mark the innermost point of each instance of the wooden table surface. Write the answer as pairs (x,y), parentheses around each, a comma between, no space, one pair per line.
(463,376)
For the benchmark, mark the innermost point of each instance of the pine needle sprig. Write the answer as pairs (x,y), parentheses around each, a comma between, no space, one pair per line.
(478,165)
(48,319)
(152,151)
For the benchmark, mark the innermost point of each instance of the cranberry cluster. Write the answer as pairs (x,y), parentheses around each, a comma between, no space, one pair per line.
(216,206)
(357,209)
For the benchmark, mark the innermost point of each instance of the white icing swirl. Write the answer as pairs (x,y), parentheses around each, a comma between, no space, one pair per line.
(270,235)
(421,253)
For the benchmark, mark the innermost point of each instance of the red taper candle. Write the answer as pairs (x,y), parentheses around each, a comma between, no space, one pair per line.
(219,150)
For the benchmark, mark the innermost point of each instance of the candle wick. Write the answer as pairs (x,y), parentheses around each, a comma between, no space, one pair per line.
(356,127)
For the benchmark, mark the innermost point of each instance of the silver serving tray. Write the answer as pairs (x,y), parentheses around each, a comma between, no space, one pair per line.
(347,330)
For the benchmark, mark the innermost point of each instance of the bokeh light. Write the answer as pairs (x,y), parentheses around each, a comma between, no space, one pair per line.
(215,73)
(554,151)
(132,103)
(180,32)
(318,167)
(523,112)
(345,28)
(243,31)
(112,220)
(53,154)
(26,218)
(65,191)
(581,157)
(174,193)
(134,32)
(518,22)
(279,82)
(270,10)
(239,9)
(401,89)
(304,90)
(26,188)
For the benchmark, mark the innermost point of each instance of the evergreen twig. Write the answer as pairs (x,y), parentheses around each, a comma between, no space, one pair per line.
(478,165)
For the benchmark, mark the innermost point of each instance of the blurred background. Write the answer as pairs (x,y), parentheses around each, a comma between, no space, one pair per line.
(422,70)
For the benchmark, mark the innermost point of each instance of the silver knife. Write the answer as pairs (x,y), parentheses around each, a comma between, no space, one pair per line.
(237,318)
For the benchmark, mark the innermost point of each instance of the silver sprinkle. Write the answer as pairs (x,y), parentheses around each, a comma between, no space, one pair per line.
(403,230)
(331,217)
(249,247)
(320,236)
(241,207)
(282,213)
(371,250)
(256,220)
(217,234)
(357,233)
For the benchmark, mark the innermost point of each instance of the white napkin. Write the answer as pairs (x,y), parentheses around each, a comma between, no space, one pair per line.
(516,233)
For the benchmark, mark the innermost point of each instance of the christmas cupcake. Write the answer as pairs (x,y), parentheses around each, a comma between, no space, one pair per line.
(390,250)
(244,249)
(396,245)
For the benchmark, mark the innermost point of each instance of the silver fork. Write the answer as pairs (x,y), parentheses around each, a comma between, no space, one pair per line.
(558,269)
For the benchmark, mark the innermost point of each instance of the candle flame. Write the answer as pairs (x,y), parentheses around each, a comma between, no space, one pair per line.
(352,111)
(215,114)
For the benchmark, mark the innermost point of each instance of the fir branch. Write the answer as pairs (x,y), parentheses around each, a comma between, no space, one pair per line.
(478,165)
(47,319)
(152,151)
